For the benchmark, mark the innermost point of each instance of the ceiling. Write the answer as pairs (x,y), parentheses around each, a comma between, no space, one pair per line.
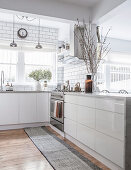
(119,20)
(85,3)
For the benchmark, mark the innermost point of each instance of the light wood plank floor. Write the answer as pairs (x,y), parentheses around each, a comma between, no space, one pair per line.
(17,152)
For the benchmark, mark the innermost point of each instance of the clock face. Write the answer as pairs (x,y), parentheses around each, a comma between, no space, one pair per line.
(22,33)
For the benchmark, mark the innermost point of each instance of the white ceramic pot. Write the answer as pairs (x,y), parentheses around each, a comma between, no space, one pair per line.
(38,86)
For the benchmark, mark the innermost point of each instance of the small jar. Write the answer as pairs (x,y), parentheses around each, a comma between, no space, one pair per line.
(88,84)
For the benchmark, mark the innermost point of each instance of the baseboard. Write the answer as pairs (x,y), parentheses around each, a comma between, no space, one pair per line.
(105,161)
(25,125)
(57,130)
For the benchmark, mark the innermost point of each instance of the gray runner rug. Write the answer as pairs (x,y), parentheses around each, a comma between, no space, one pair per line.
(59,154)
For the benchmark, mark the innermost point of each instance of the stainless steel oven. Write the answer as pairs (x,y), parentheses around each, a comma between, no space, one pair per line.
(57,110)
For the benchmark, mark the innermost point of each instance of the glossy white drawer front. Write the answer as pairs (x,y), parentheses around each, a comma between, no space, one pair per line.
(87,101)
(71,99)
(80,100)
(110,123)
(110,105)
(70,111)
(86,116)
(70,127)
(110,148)
(86,136)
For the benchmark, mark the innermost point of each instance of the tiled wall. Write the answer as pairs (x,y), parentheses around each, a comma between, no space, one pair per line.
(60,75)
(47,35)
(75,73)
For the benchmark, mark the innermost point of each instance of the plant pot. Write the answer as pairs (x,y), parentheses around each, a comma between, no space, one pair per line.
(38,86)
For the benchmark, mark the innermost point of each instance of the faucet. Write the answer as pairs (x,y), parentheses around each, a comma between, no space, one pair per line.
(2,80)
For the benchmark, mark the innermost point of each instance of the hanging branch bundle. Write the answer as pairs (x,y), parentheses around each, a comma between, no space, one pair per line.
(93,47)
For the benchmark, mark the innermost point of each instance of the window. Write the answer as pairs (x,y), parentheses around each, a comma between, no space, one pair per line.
(120,77)
(18,64)
(116,72)
(8,63)
(40,60)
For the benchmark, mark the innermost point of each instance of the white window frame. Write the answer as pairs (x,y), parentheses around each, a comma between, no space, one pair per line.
(20,68)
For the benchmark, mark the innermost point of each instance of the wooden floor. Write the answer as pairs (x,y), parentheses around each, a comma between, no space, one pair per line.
(17,152)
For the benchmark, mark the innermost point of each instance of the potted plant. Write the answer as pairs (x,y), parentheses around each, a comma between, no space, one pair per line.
(38,75)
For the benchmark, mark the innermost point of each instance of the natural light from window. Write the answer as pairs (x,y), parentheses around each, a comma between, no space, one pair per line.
(18,64)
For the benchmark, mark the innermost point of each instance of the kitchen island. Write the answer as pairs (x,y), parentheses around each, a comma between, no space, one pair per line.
(101,125)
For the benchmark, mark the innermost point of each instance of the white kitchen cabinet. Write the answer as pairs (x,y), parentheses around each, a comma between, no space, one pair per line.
(86,116)
(28,111)
(110,148)
(110,123)
(80,100)
(42,107)
(70,111)
(99,124)
(86,101)
(70,127)
(86,136)
(110,105)
(9,109)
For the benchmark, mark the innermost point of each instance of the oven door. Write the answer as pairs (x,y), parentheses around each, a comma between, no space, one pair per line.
(53,110)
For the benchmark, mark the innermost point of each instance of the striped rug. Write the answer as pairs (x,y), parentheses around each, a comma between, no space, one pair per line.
(59,154)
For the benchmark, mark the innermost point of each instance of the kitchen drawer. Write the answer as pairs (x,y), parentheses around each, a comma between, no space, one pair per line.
(110,148)
(110,123)
(70,111)
(70,127)
(86,136)
(87,101)
(110,105)
(86,116)
(80,100)
(71,99)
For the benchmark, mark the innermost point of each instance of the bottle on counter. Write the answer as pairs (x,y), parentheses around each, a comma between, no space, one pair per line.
(11,87)
(7,87)
(88,84)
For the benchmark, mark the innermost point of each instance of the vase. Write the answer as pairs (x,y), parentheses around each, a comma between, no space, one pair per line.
(88,84)
(38,86)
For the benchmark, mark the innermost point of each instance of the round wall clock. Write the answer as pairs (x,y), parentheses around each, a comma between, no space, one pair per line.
(22,33)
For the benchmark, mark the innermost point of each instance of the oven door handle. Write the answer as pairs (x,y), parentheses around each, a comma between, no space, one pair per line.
(55,99)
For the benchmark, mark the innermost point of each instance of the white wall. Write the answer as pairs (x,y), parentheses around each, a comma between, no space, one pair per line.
(53,8)
(121,46)
(104,7)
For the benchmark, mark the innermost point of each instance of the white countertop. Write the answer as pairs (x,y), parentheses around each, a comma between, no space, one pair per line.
(31,91)
(110,95)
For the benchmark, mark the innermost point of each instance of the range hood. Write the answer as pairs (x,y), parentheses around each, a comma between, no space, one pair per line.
(66,58)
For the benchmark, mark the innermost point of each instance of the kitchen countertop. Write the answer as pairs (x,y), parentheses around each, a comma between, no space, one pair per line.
(110,95)
(31,91)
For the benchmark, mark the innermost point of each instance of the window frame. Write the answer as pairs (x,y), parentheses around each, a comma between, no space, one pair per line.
(20,68)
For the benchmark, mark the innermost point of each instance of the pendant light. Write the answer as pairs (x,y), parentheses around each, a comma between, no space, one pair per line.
(39,46)
(13,44)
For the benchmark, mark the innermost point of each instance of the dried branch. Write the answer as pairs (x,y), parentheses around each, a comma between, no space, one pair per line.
(92,52)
